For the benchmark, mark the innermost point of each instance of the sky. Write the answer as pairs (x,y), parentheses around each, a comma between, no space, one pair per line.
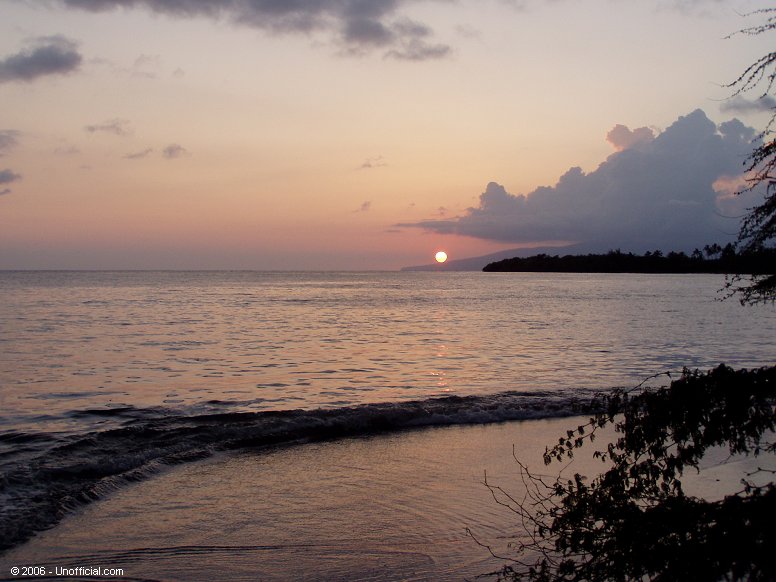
(367,134)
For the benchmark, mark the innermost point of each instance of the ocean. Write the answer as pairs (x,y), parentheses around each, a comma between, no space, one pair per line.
(109,378)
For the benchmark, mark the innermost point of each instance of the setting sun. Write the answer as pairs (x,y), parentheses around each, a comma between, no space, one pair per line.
(441,257)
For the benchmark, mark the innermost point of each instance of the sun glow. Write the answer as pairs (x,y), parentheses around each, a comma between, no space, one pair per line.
(441,257)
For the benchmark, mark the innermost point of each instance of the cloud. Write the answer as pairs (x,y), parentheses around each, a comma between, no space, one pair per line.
(416,50)
(146,66)
(360,26)
(700,7)
(118,127)
(7,176)
(369,163)
(660,194)
(67,150)
(48,55)
(686,7)
(8,140)
(412,44)
(739,104)
(623,138)
(365,207)
(139,155)
(173,151)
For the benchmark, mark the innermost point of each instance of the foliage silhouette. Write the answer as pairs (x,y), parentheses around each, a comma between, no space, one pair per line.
(727,260)
(758,229)
(634,521)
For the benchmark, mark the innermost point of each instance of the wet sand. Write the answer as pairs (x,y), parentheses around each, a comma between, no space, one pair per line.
(388,507)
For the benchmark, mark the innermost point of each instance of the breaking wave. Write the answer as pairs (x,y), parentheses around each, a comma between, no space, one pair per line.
(44,476)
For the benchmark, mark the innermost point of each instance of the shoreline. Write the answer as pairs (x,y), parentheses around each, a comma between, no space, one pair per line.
(376,507)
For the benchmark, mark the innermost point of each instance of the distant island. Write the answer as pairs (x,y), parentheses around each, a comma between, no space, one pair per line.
(713,259)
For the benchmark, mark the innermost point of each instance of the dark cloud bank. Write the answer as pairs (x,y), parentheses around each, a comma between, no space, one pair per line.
(359,25)
(667,191)
(49,55)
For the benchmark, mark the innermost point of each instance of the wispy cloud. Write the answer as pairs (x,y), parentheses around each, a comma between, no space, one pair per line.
(365,206)
(701,7)
(654,192)
(174,151)
(359,26)
(7,177)
(376,162)
(8,140)
(67,150)
(146,66)
(118,127)
(413,43)
(687,7)
(48,55)
(742,105)
(139,155)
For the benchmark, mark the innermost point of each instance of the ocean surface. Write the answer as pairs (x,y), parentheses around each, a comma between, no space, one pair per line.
(108,377)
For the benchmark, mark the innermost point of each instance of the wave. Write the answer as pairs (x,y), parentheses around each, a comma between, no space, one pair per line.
(50,475)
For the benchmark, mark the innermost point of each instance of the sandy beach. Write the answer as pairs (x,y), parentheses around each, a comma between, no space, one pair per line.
(388,507)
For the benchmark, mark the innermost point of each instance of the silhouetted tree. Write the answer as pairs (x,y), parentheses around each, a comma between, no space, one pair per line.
(712,250)
(618,262)
(634,521)
(758,229)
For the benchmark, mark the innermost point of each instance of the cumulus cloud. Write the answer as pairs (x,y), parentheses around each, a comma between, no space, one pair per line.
(623,138)
(739,104)
(173,151)
(358,25)
(48,55)
(660,194)
(8,140)
(118,127)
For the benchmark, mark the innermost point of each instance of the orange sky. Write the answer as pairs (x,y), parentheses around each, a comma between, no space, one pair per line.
(168,140)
